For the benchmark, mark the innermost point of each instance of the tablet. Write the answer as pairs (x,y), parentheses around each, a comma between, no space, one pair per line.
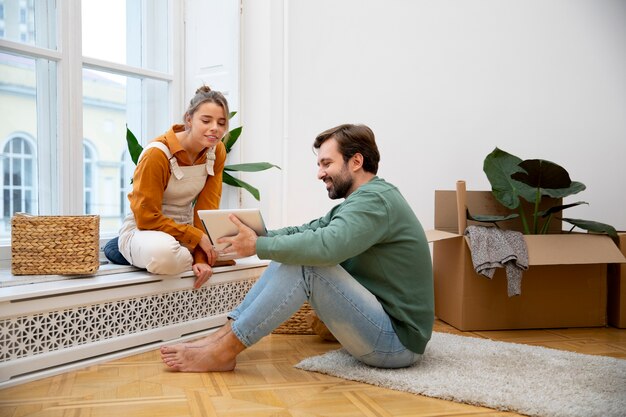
(217,224)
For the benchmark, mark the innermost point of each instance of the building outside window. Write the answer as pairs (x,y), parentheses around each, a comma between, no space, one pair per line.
(18,173)
(119,74)
(89,175)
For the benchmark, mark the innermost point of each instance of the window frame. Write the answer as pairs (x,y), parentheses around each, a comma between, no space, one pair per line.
(61,87)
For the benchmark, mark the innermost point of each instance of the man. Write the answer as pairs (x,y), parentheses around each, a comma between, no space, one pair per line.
(365,268)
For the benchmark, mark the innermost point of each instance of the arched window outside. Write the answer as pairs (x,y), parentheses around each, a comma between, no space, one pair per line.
(89,176)
(19,192)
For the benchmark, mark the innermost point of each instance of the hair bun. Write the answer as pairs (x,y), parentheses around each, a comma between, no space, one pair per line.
(203,89)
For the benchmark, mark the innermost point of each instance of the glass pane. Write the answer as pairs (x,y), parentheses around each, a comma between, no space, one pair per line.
(88,169)
(6,212)
(29,21)
(6,171)
(111,102)
(17,171)
(17,201)
(136,32)
(28,172)
(25,133)
(29,201)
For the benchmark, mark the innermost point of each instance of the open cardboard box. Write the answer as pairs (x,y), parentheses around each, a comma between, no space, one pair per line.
(617,289)
(565,285)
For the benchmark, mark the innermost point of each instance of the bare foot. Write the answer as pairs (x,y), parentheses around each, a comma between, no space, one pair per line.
(206,358)
(217,352)
(203,341)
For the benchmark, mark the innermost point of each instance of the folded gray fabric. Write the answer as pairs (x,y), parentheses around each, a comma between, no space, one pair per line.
(495,248)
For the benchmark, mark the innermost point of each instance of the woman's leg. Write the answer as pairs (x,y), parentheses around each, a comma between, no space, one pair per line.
(112,253)
(156,251)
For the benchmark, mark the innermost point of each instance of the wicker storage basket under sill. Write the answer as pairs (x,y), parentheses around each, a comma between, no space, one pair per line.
(54,245)
(296,324)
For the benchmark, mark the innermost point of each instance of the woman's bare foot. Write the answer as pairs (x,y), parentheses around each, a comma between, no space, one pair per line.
(216,355)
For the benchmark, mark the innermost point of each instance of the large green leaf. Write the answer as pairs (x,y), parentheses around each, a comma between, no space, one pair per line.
(235,182)
(592,226)
(134,148)
(499,166)
(556,209)
(250,167)
(549,178)
(542,174)
(490,219)
(230,139)
(574,188)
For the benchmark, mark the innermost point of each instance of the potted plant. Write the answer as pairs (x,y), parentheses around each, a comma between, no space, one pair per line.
(229,140)
(513,179)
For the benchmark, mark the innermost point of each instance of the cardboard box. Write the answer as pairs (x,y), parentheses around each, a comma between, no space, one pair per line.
(565,285)
(617,289)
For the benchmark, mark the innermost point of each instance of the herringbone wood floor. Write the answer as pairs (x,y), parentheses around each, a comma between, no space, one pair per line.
(265,383)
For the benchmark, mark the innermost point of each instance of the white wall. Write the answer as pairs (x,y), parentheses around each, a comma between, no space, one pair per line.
(441,83)
(212,39)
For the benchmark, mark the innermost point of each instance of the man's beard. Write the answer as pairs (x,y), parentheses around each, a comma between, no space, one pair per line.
(340,185)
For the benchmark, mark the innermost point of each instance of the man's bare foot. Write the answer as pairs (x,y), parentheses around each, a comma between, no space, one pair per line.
(197,359)
(203,341)
(217,355)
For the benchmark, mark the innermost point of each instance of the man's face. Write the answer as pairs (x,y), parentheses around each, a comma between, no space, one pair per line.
(334,171)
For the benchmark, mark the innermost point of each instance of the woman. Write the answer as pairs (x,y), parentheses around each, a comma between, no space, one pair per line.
(177,174)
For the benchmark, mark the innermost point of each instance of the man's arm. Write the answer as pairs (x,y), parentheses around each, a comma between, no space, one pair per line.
(348,230)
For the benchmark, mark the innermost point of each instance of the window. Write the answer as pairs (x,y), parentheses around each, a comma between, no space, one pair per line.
(89,175)
(18,174)
(123,75)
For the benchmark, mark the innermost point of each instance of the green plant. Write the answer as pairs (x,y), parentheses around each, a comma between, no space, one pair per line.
(513,179)
(229,140)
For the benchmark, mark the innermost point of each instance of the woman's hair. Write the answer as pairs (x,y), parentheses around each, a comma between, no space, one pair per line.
(203,95)
(352,139)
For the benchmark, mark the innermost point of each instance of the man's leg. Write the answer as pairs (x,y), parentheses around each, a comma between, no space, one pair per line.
(267,305)
(351,312)
(356,318)
(252,294)
(217,354)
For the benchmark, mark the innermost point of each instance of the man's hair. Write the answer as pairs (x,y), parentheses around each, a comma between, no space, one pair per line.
(352,139)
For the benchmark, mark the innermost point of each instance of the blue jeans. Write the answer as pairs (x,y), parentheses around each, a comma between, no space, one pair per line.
(349,310)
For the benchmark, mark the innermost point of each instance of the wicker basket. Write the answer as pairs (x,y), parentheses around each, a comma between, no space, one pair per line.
(54,245)
(297,324)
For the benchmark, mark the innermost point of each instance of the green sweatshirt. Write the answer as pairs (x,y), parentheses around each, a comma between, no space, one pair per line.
(374,235)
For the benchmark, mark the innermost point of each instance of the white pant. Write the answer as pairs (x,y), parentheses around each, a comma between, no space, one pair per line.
(156,251)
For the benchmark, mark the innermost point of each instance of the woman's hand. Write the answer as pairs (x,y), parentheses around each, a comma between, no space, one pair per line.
(206,246)
(203,272)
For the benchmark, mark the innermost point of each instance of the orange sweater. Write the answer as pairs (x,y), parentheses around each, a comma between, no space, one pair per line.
(150,181)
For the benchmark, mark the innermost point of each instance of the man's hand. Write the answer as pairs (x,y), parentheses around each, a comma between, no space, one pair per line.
(243,243)
(203,272)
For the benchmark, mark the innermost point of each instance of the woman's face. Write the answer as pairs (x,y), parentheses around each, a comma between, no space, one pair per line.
(208,125)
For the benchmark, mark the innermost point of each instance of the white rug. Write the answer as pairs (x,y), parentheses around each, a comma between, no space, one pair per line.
(531,380)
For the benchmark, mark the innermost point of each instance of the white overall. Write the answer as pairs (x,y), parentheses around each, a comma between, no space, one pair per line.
(160,252)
